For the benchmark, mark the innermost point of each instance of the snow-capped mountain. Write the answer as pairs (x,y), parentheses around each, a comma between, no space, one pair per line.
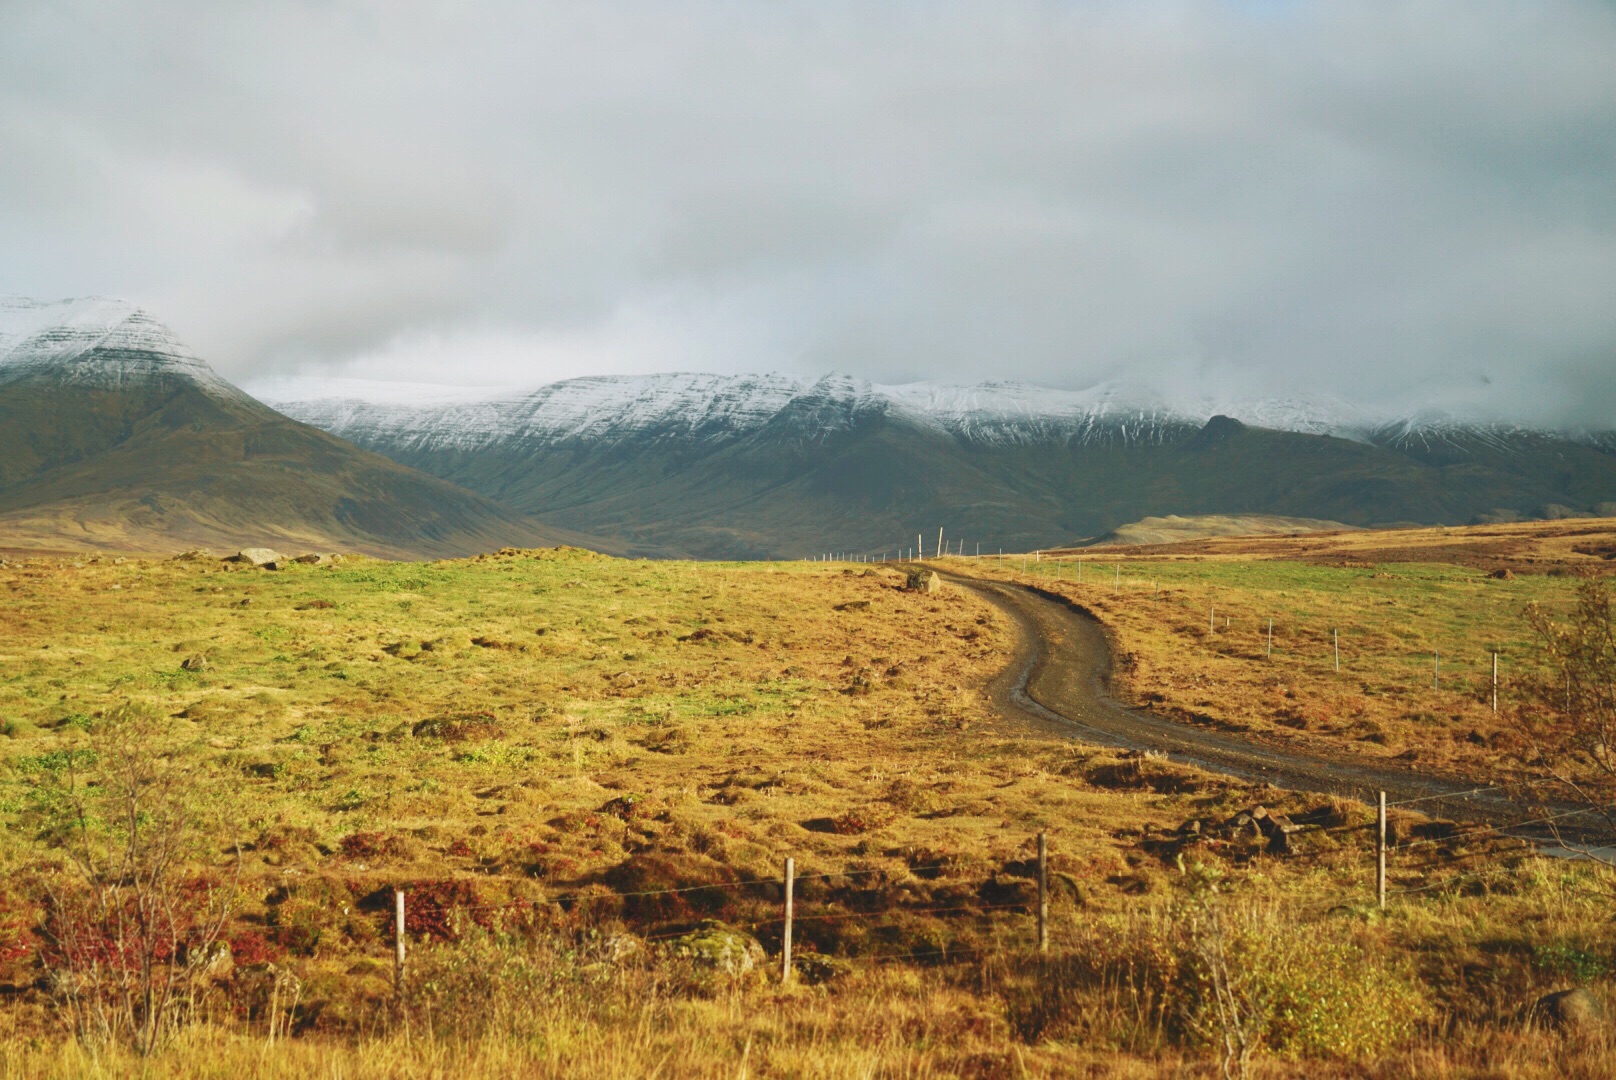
(113,433)
(96,342)
(773,464)
(102,406)
(706,408)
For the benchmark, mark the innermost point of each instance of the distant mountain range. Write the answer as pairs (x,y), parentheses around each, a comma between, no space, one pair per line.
(772,466)
(114,435)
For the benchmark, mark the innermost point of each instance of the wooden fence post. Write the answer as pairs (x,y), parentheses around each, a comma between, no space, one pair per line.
(1043,893)
(1380,854)
(398,942)
(785,940)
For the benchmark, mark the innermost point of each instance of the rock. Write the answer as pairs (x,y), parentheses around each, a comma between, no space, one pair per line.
(1275,823)
(216,963)
(1503,574)
(1192,827)
(923,581)
(1279,842)
(264,557)
(720,947)
(194,555)
(815,968)
(1574,1009)
(196,662)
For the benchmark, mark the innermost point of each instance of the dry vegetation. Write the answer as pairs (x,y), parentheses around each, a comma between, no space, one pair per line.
(1191,625)
(537,745)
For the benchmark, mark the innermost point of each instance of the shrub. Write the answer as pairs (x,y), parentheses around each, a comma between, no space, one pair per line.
(1237,979)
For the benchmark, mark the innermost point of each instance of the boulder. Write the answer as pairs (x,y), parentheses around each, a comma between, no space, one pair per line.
(1575,1010)
(923,581)
(256,557)
(720,947)
(1272,824)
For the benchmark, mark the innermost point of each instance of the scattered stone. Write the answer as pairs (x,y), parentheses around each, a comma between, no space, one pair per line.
(216,964)
(1503,574)
(815,968)
(245,601)
(855,605)
(923,581)
(1192,827)
(1275,823)
(1575,1009)
(720,947)
(1279,842)
(196,662)
(260,557)
(194,555)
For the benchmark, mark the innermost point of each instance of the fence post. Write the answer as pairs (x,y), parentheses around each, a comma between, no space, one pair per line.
(785,940)
(1043,893)
(398,941)
(1380,854)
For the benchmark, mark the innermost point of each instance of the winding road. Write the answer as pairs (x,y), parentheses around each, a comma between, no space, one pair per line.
(1058,682)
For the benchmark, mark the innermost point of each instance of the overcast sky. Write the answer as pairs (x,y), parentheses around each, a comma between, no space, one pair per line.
(1396,203)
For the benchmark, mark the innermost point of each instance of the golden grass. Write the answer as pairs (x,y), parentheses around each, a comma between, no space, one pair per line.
(1191,623)
(534,725)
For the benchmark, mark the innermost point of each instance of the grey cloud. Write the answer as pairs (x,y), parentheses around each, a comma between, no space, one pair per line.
(1386,202)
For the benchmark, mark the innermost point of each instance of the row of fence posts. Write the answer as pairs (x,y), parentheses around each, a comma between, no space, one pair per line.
(789,881)
(789,906)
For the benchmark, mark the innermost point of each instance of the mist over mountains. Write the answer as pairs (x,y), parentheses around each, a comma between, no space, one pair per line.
(774,466)
(113,433)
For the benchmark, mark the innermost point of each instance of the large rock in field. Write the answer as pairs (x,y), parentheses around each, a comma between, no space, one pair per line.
(1571,1010)
(256,556)
(721,948)
(922,580)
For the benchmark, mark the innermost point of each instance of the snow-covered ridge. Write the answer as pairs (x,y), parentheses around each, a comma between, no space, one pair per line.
(95,342)
(703,408)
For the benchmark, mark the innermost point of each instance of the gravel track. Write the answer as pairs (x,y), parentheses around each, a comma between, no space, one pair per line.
(1058,680)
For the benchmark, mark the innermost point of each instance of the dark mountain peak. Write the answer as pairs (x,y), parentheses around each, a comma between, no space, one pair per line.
(1218,430)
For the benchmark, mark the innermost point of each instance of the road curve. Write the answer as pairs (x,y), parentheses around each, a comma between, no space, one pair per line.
(1058,682)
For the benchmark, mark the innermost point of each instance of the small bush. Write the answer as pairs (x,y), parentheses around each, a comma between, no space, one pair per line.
(1227,978)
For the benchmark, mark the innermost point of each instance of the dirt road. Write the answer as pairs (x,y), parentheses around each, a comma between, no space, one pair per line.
(1057,682)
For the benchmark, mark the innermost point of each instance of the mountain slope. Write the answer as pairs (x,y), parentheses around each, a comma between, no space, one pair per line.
(113,434)
(772,466)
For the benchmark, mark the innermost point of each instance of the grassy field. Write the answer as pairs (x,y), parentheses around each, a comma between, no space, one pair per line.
(586,773)
(1415,617)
